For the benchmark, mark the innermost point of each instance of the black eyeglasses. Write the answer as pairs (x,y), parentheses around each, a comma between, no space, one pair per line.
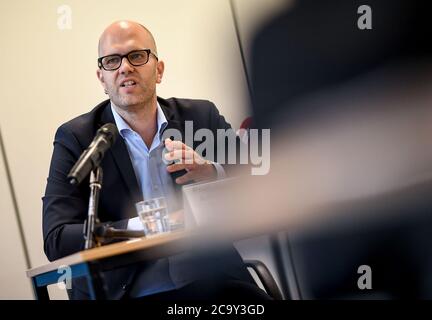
(136,58)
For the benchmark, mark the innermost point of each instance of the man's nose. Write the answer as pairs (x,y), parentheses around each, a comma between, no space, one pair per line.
(125,66)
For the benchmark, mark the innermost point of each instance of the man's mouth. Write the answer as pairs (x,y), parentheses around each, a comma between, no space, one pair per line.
(129,83)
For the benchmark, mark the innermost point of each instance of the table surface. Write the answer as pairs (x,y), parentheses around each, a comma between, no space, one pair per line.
(109,250)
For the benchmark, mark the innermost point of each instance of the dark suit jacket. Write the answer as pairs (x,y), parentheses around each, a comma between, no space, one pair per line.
(65,206)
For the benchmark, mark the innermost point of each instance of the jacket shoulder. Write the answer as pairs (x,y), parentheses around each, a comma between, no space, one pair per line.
(188,105)
(84,125)
(197,110)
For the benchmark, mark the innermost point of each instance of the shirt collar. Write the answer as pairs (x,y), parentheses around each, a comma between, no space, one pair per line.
(122,126)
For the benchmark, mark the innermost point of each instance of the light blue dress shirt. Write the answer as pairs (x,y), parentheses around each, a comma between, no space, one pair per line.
(153,178)
(154,181)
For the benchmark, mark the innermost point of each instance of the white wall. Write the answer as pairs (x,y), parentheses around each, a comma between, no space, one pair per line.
(48,77)
(13,283)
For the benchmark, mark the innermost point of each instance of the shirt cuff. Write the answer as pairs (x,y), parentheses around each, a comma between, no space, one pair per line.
(220,170)
(135,224)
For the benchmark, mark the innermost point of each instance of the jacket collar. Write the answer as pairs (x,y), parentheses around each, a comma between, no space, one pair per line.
(119,150)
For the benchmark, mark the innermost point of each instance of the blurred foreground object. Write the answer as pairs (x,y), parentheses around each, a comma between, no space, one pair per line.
(350,113)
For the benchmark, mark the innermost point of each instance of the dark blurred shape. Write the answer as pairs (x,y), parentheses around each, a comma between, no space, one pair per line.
(389,233)
(316,46)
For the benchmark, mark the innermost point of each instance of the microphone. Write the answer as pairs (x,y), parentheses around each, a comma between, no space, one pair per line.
(93,155)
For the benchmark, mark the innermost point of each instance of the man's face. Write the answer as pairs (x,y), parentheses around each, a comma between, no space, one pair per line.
(123,39)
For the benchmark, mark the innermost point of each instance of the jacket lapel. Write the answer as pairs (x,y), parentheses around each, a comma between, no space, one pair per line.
(120,153)
(121,158)
(174,122)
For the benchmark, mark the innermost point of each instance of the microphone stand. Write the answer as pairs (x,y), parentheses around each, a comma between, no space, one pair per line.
(92,235)
(96,176)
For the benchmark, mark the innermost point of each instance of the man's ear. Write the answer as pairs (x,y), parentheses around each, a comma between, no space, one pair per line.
(101,78)
(160,67)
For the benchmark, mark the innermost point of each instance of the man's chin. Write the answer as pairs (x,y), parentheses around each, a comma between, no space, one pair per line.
(125,102)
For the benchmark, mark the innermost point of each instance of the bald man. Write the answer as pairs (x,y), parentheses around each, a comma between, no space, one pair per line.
(131,87)
(129,70)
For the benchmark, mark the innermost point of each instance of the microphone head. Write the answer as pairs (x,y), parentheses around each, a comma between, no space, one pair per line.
(92,156)
(110,131)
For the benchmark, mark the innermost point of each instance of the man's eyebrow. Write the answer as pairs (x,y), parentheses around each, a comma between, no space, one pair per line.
(131,50)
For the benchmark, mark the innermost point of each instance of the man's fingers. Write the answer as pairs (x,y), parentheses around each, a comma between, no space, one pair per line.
(180,155)
(185,178)
(175,145)
(177,150)
(179,166)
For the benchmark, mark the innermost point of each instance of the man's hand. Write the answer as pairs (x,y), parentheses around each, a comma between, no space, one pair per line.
(198,169)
